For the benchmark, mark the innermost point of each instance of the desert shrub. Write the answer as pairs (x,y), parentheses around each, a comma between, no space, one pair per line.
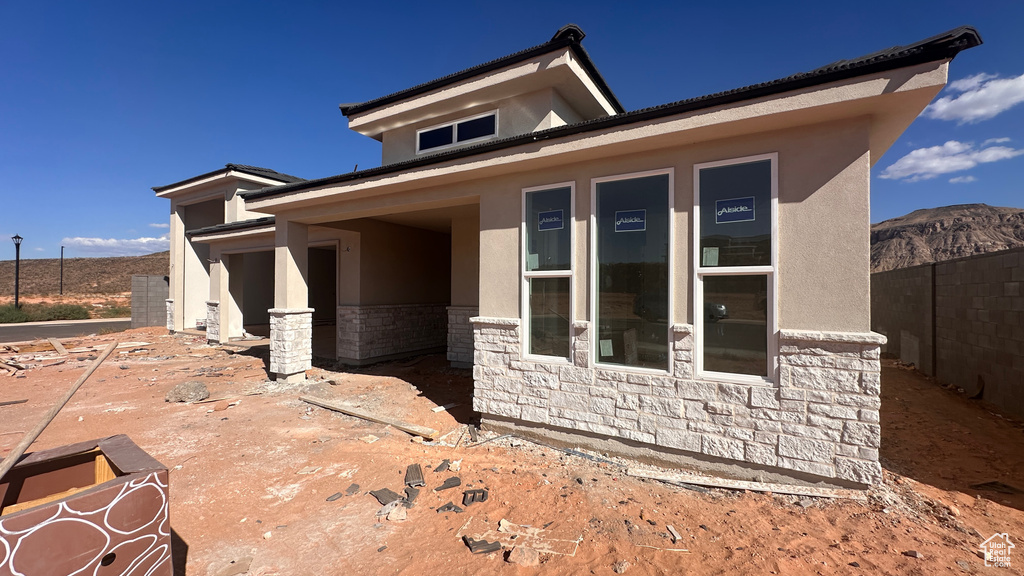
(9,314)
(114,311)
(42,313)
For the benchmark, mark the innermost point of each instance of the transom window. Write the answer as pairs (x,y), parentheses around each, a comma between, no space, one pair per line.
(472,129)
(735,207)
(547,240)
(630,262)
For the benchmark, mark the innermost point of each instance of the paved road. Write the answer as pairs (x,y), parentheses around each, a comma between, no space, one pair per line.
(26,331)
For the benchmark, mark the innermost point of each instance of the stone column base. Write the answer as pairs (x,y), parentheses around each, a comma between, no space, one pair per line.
(170,314)
(213,321)
(291,343)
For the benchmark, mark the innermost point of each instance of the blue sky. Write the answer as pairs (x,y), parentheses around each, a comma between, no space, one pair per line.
(99,101)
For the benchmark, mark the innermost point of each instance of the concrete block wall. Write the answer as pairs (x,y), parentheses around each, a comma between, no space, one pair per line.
(977,315)
(366,332)
(212,321)
(291,341)
(820,419)
(902,309)
(460,335)
(149,299)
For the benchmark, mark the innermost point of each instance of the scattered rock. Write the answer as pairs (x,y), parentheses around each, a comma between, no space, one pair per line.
(855,564)
(620,567)
(524,556)
(805,503)
(124,367)
(221,406)
(267,535)
(954,511)
(191,391)
(240,566)
(914,554)
(398,514)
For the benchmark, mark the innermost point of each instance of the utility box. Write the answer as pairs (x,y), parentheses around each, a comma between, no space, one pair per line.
(149,300)
(97,507)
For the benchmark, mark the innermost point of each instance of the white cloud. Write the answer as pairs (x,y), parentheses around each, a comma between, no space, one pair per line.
(962,180)
(980,97)
(39,249)
(971,82)
(995,141)
(953,156)
(167,225)
(117,247)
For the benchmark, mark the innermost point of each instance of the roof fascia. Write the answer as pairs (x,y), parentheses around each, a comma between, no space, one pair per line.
(211,178)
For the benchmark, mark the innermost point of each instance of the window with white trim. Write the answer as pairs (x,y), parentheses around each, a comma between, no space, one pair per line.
(631,269)
(463,131)
(547,239)
(735,211)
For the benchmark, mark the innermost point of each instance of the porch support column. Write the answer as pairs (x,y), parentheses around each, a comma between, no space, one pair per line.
(176,274)
(291,319)
(234,323)
(216,308)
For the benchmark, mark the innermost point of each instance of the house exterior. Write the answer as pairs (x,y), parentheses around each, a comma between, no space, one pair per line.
(688,282)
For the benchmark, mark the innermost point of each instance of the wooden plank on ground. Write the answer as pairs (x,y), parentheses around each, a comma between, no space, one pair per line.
(57,346)
(428,433)
(13,402)
(746,485)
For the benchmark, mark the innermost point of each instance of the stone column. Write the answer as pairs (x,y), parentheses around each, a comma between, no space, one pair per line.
(216,314)
(170,314)
(291,320)
(213,312)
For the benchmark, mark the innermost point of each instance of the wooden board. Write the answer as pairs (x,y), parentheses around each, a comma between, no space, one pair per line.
(428,433)
(746,485)
(57,346)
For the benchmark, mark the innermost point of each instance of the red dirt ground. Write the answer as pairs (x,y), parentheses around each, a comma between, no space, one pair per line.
(236,491)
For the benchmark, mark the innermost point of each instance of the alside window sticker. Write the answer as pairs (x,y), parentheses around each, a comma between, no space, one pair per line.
(734,210)
(631,220)
(550,220)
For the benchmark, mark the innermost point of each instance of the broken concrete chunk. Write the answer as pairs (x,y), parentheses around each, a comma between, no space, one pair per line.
(449,483)
(191,391)
(914,554)
(450,507)
(385,496)
(414,476)
(443,466)
(675,535)
(481,546)
(524,556)
(410,495)
(471,496)
(455,466)
(398,514)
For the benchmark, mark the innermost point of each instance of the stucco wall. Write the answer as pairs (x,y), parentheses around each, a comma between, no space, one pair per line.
(518,115)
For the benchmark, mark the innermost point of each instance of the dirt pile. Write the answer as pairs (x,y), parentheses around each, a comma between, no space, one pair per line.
(937,234)
(41,277)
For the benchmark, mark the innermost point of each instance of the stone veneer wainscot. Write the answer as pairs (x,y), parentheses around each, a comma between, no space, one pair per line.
(460,335)
(821,418)
(366,332)
(170,314)
(212,321)
(291,340)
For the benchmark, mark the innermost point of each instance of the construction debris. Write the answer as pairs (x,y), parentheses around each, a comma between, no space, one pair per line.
(443,466)
(414,476)
(450,507)
(675,535)
(352,489)
(523,556)
(385,496)
(410,495)
(674,477)
(445,407)
(191,391)
(481,546)
(451,482)
(472,496)
(13,402)
(428,433)
(334,496)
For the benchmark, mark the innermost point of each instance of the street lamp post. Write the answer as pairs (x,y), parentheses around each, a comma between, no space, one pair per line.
(17,266)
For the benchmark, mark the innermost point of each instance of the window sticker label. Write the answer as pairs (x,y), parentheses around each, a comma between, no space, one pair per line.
(631,220)
(710,256)
(550,220)
(606,347)
(734,210)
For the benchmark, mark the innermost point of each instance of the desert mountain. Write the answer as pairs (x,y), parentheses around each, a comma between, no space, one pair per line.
(937,234)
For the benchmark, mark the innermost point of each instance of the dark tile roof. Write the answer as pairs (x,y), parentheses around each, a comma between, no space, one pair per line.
(231,226)
(568,36)
(940,47)
(254,170)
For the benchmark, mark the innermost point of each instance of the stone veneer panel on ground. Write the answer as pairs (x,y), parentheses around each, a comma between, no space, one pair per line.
(460,335)
(366,332)
(820,419)
(291,340)
(212,321)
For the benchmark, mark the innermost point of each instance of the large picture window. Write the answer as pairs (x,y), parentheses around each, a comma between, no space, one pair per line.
(547,270)
(735,205)
(631,254)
